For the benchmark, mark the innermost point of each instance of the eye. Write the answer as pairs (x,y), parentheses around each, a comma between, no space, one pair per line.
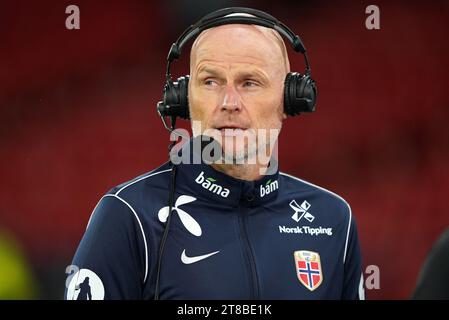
(210,83)
(250,83)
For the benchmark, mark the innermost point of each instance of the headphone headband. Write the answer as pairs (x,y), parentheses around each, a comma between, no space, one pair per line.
(221,17)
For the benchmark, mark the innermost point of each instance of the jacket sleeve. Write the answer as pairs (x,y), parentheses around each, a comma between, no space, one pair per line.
(111,255)
(353,286)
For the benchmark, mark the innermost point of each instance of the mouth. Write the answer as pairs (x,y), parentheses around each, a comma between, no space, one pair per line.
(231,130)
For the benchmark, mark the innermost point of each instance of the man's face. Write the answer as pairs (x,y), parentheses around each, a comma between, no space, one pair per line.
(236,86)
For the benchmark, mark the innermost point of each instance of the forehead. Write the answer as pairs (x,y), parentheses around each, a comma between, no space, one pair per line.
(237,43)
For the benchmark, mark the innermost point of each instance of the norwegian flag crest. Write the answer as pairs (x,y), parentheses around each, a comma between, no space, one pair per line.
(308,268)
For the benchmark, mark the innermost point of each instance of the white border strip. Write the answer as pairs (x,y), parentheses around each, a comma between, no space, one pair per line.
(140,225)
(334,194)
(361,288)
(140,179)
(347,234)
(143,234)
(90,218)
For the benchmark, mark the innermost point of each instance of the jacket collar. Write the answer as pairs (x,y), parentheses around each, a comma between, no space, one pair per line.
(208,183)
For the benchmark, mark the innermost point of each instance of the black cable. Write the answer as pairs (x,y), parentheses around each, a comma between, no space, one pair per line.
(167,224)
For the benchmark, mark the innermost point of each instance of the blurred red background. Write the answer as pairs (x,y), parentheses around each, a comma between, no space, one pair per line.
(77,115)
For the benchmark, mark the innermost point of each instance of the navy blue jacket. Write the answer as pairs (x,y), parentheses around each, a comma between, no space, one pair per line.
(276,238)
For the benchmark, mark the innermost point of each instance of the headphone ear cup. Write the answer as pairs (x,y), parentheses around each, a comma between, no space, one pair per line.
(184,97)
(176,102)
(299,94)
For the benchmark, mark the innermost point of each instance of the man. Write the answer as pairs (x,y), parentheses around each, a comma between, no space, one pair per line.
(238,230)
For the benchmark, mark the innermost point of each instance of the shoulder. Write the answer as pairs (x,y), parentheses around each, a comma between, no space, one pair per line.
(156,178)
(121,211)
(133,195)
(327,198)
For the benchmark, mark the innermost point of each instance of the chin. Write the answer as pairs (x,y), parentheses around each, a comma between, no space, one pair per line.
(239,155)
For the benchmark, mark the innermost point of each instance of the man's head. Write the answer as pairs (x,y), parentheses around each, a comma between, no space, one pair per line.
(237,75)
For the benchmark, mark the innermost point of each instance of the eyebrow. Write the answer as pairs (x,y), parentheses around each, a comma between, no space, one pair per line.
(205,69)
(241,74)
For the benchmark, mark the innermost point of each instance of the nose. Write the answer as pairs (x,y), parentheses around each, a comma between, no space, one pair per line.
(231,100)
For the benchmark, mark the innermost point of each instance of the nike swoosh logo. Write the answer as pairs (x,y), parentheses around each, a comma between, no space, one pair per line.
(188,260)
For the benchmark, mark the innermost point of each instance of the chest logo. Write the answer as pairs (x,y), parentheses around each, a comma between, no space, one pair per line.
(301,211)
(189,260)
(187,220)
(308,268)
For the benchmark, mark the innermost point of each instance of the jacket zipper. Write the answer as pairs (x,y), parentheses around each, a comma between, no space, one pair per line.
(249,257)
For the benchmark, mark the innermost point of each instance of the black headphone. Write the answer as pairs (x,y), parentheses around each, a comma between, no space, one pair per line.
(299,89)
